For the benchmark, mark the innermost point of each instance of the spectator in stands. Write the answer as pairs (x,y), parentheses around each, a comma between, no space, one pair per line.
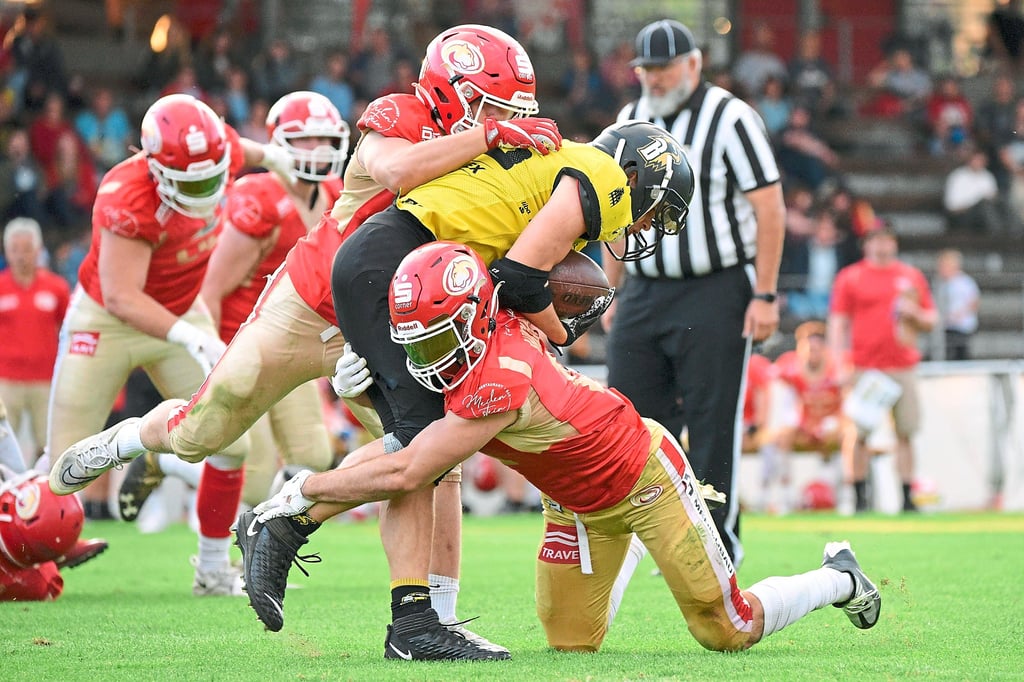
(45,135)
(1011,160)
(757,64)
(1004,40)
(185,83)
(236,96)
(807,409)
(958,297)
(32,305)
(803,156)
(815,262)
(405,74)
(950,117)
(333,83)
(22,187)
(971,194)
(500,14)
(774,106)
(74,186)
(853,214)
(170,49)
(276,72)
(995,122)
(619,75)
(255,128)
(809,74)
(879,306)
(901,87)
(589,105)
(799,203)
(38,60)
(214,61)
(105,129)
(757,403)
(373,67)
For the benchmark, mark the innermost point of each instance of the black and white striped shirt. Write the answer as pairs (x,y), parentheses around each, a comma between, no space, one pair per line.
(728,148)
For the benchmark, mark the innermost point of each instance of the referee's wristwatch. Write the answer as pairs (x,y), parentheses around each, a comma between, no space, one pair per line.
(767,296)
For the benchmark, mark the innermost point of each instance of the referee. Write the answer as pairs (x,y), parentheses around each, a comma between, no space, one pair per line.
(682,327)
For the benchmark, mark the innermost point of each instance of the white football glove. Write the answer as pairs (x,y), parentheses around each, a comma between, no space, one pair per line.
(206,349)
(277,160)
(288,502)
(351,376)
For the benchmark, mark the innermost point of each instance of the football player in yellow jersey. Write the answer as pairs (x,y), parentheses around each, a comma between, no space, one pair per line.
(522,212)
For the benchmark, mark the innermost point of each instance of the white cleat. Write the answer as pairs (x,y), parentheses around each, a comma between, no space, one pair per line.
(222,582)
(87,460)
(473,638)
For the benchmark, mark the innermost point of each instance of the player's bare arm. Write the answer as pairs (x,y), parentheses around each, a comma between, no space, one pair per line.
(398,164)
(435,450)
(547,240)
(233,261)
(123,266)
(762,317)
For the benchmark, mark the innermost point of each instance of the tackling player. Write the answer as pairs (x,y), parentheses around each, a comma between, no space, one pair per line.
(406,140)
(155,221)
(264,216)
(502,204)
(605,473)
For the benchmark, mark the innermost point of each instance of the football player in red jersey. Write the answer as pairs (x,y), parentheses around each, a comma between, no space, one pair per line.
(156,220)
(292,337)
(604,471)
(264,216)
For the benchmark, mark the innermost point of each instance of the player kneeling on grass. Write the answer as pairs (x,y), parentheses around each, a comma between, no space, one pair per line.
(604,471)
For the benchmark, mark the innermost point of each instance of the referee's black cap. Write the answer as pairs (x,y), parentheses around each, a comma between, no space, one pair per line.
(660,42)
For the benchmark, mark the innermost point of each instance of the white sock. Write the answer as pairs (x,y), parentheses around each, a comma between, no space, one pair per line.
(179,468)
(213,553)
(10,451)
(788,599)
(129,442)
(444,592)
(634,555)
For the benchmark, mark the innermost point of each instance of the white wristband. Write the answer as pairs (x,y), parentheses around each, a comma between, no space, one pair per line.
(185,334)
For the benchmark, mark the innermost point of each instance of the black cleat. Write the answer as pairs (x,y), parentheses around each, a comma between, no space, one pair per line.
(865,604)
(141,478)
(268,551)
(421,637)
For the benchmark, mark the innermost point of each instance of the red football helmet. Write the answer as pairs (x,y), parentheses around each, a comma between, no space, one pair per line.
(36,525)
(188,154)
(469,66)
(309,114)
(442,303)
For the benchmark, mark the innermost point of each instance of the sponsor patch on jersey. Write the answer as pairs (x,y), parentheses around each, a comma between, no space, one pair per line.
(84,343)
(462,57)
(460,276)
(646,496)
(381,115)
(561,545)
(490,398)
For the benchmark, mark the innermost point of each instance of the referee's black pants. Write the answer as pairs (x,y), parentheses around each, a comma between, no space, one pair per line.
(360,278)
(676,350)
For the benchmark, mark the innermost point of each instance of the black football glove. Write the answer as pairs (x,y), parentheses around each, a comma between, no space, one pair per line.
(576,325)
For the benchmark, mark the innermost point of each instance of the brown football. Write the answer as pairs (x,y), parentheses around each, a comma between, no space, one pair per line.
(575,283)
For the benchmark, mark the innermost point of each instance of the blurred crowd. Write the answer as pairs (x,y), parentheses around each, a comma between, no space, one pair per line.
(59,133)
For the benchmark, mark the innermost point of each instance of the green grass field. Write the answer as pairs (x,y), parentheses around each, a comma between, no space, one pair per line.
(951,586)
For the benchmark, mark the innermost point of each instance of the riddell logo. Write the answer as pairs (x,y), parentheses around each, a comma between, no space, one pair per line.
(561,545)
(646,496)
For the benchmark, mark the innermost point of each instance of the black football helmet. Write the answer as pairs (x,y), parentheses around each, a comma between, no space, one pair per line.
(660,178)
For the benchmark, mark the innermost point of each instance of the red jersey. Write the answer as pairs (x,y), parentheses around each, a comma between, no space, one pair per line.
(259,206)
(867,294)
(309,263)
(759,376)
(580,443)
(30,319)
(128,205)
(820,396)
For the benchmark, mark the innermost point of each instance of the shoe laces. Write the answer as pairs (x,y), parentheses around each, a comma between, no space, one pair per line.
(99,457)
(299,559)
(861,602)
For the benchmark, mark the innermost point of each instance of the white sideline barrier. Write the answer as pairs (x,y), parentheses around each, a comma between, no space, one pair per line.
(970,446)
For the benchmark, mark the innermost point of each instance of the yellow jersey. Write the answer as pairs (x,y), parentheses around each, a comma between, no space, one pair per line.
(487,203)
